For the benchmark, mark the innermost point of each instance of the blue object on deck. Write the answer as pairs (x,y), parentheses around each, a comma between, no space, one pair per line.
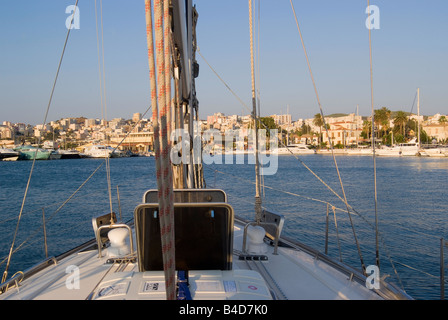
(183,291)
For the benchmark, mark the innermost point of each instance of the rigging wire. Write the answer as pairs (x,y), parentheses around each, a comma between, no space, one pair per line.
(5,273)
(38,230)
(99,58)
(262,124)
(258,83)
(413,103)
(326,128)
(296,156)
(334,208)
(102,81)
(373,142)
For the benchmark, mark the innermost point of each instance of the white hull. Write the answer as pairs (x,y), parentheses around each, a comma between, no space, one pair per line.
(10,158)
(295,149)
(98,151)
(404,149)
(388,152)
(8,154)
(330,152)
(437,152)
(360,152)
(95,155)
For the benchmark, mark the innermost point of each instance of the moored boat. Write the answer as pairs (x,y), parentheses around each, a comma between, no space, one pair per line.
(436,151)
(7,154)
(69,154)
(410,148)
(296,149)
(96,151)
(28,152)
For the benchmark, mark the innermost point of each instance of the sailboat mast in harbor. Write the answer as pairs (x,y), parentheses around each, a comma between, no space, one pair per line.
(418,116)
(254,113)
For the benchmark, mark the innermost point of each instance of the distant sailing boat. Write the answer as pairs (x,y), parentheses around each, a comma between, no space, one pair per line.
(411,148)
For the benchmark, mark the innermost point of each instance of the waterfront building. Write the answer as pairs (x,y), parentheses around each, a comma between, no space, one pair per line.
(437,131)
(345,133)
(138,142)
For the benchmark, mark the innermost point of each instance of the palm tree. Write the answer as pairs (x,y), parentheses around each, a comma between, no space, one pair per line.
(400,120)
(319,122)
(382,117)
(366,128)
(443,120)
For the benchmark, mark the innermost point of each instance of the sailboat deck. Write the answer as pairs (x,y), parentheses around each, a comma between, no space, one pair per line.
(295,275)
(290,274)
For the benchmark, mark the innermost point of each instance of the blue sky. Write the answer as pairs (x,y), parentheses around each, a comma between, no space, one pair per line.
(409,51)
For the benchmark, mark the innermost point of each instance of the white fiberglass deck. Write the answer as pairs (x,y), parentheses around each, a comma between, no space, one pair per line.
(291,274)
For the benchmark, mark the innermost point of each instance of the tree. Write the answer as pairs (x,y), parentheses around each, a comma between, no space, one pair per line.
(51,135)
(411,127)
(366,128)
(382,117)
(306,129)
(268,124)
(318,122)
(443,120)
(400,120)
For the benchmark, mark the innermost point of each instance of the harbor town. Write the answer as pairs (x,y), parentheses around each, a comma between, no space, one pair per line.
(84,137)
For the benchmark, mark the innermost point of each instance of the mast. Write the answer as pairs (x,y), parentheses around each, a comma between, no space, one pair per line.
(254,116)
(185,70)
(418,116)
(171,42)
(356,121)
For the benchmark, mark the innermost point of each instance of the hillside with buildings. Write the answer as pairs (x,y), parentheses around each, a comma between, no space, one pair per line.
(137,134)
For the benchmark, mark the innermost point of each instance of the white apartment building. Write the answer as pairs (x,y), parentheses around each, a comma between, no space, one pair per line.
(90,122)
(281,119)
(437,131)
(345,133)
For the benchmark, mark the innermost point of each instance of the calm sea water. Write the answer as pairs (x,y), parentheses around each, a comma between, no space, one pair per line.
(412,207)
